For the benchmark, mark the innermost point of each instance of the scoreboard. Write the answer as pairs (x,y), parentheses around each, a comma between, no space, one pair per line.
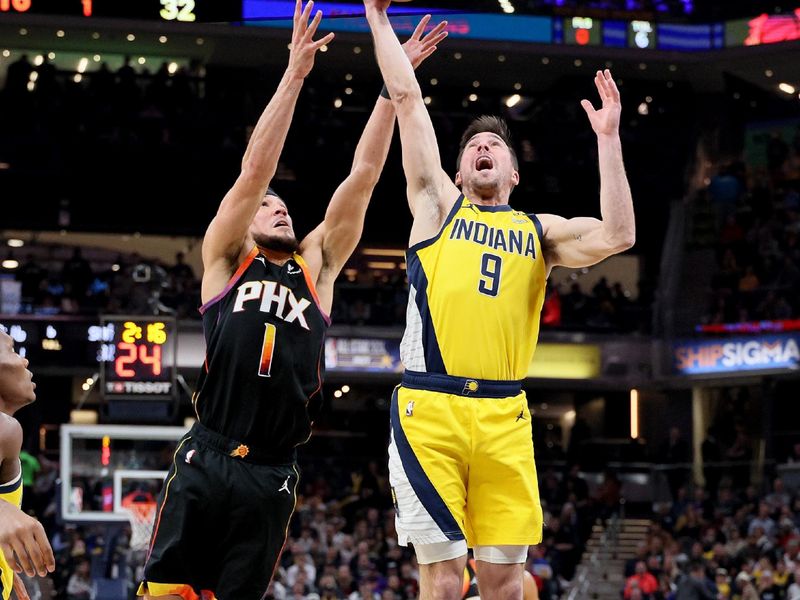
(583,31)
(140,358)
(174,11)
(347,16)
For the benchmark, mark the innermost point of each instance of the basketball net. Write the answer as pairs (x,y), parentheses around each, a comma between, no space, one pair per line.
(141,509)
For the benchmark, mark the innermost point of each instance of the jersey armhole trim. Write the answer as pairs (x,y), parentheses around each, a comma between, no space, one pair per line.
(13,485)
(232,281)
(538,224)
(311,287)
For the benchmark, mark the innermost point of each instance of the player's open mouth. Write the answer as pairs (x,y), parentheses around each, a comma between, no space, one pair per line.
(281,224)
(484,163)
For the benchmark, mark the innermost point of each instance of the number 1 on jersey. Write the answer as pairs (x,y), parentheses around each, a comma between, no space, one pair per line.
(490,269)
(267,350)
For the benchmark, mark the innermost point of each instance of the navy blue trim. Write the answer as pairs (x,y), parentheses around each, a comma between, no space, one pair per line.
(538,224)
(462,386)
(498,208)
(419,481)
(430,344)
(428,242)
(12,487)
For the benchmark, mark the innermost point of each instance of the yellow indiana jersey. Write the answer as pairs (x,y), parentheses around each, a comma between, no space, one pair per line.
(475,294)
(10,492)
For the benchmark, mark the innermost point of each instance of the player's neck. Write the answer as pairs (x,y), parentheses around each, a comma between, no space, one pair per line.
(7,411)
(274,256)
(486,197)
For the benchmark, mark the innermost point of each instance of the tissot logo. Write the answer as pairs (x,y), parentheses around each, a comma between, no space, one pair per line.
(275,299)
(138,387)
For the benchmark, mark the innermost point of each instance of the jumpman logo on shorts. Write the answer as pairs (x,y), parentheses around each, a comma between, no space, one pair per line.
(285,486)
(520,416)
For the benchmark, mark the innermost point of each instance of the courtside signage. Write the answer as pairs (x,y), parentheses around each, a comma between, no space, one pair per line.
(477,26)
(737,354)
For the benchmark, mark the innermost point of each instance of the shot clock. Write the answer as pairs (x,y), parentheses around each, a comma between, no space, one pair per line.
(139,358)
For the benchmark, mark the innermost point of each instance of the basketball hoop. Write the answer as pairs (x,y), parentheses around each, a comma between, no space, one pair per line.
(141,509)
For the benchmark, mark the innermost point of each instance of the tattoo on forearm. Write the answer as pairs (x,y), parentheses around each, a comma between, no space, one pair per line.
(578,237)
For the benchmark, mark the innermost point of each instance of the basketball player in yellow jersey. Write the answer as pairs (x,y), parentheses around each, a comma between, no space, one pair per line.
(461,455)
(23,543)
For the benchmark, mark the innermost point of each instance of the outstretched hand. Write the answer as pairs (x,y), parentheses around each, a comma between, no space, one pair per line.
(606,120)
(304,48)
(417,47)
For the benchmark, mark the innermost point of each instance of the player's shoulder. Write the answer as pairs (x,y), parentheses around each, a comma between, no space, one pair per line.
(546,221)
(10,437)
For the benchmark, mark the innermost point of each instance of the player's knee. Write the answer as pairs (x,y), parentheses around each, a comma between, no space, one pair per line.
(500,587)
(442,578)
(500,581)
(446,584)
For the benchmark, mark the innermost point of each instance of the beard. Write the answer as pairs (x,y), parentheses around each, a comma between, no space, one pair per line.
(277,243)
(486,186)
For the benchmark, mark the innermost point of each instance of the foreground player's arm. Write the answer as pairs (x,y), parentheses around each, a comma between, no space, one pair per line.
(23,541)
(431,193)
(584,241)
(225,241)
(327,248)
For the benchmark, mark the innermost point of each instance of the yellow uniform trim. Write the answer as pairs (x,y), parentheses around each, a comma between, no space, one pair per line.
(10,492)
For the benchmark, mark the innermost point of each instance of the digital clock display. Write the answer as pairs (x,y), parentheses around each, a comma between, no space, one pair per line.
(583,31)
(140,359)
(179,11)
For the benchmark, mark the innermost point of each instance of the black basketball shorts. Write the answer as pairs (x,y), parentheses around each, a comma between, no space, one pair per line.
(222,520)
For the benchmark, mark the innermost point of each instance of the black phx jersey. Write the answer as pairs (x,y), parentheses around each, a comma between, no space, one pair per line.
(261,379)
(230,491)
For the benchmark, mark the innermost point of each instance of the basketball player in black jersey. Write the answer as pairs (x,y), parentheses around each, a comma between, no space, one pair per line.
(230,492)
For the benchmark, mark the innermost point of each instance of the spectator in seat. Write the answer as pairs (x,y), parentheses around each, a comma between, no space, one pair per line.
(641,580)
(80,584)
(695,585)
(747,590)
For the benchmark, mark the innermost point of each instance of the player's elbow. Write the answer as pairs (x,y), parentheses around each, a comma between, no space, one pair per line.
(624,241)
(406,95)
(618,237)
(366,173)
(252,177)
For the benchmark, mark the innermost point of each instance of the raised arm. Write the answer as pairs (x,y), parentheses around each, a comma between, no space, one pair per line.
(431,193)
(584,241)
(226,238)
(327,248)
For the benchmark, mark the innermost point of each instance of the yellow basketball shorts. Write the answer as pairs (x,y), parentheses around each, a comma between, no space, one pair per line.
(6,578)
(461,462)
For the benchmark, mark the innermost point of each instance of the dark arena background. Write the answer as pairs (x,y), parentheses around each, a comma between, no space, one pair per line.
(665,388)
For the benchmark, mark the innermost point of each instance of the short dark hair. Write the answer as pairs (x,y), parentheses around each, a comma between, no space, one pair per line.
(487,124)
